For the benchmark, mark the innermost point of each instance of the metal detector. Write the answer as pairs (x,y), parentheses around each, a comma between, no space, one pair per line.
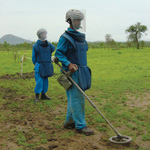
(119,139)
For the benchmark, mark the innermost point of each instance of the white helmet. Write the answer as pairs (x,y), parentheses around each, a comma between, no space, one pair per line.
(77,18)
(42,34)
(41,31)
(74,14)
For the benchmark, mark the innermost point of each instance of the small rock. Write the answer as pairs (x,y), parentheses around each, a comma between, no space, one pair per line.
(52,147)
(40,148)
(51,139)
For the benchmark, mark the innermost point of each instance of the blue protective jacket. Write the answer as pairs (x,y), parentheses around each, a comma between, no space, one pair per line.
(41,56)
(76,53)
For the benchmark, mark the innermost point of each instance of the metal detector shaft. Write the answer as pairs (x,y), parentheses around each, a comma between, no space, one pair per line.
(66,73)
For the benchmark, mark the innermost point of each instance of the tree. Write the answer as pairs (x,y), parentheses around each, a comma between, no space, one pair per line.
(109,40)
(113,43)
(101,44)
(129,44)
(142,43)
(1,45)
(6,46)
(135,32)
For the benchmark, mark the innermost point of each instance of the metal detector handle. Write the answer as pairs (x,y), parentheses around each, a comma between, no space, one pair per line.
(56,61)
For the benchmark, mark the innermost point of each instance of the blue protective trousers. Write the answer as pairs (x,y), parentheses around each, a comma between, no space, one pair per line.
(41,84)
(76,105)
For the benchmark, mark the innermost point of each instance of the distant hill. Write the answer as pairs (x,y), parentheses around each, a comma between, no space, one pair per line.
(12,39)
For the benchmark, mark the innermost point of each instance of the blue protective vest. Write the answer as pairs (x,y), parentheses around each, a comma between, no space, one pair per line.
(43,53)
(78,56)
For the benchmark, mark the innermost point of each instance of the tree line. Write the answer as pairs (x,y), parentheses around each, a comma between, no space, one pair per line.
(134,34)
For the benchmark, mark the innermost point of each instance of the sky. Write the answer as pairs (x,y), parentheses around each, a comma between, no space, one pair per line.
(24,17)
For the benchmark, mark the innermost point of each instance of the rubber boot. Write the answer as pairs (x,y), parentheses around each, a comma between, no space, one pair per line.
(69,125)
(44,97)
(86,131)
(36,97)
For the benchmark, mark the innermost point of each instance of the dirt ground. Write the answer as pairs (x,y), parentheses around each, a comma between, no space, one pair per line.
(17,76)
(30,125)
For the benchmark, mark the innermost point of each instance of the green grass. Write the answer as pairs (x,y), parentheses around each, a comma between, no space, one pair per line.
(117,77)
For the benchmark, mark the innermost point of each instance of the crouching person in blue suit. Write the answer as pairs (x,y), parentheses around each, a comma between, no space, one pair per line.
(41,58)
(71,52)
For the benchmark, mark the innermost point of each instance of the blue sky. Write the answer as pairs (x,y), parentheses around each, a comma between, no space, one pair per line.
(24,17)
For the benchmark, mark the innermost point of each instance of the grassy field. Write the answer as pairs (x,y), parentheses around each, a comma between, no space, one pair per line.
(120,89)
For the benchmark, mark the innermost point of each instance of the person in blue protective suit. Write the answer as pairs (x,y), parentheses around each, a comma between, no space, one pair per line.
(41,58)
(71,52)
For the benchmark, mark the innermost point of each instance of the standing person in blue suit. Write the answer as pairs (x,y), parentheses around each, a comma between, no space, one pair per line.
(72,53)
(41,58)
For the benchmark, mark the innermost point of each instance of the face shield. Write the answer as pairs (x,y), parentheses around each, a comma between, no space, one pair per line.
(78,19)
(42,34)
